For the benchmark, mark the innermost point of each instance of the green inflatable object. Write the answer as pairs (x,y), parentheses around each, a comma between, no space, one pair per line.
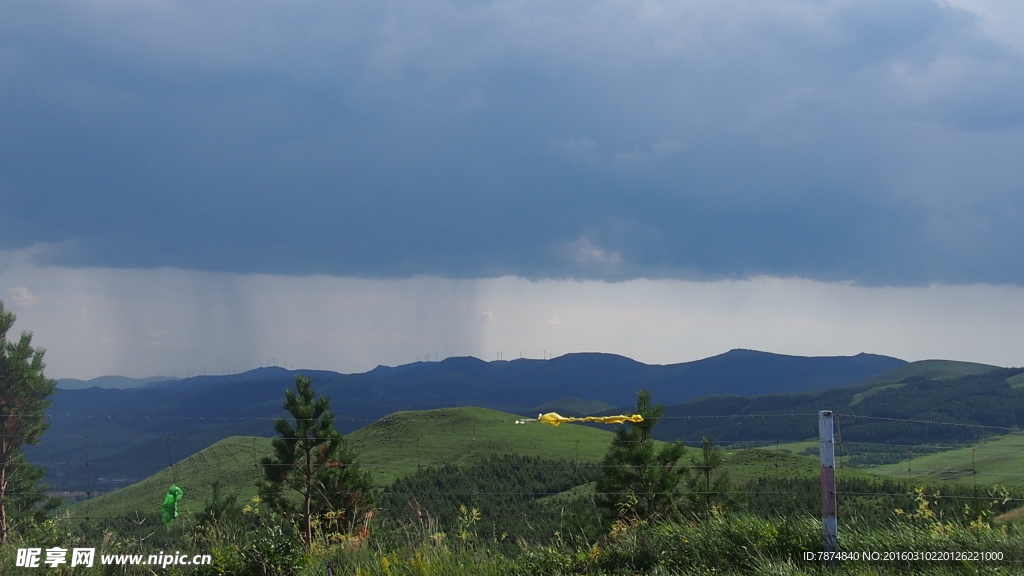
(169,509)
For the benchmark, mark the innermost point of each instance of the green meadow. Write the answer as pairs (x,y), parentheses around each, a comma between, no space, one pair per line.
(930,369)
(767,532)
(391,447)
(997,460)
(404,442)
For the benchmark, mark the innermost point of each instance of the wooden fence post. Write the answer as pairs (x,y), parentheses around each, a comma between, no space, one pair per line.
(829,521)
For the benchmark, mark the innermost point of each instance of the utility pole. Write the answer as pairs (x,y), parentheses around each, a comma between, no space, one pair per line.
(829,520)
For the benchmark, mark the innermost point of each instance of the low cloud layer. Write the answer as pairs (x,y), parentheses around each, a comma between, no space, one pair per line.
(877,142)
(172,322)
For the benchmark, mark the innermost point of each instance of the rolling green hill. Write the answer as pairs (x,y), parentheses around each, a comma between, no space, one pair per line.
(928,369)
(449,446)
(404,442)
(1016,382)
(998,460)
(391,447)
(861,396)
(398,444)
(232,462)
(937,370)
(883,412)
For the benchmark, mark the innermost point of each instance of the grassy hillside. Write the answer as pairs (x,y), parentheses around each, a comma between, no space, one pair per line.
(746,465)
(857,398)
(940,370)
(231,461)
(870,413)
(398,444)
(930,369)
(405,442)
(999,460)
(392,447)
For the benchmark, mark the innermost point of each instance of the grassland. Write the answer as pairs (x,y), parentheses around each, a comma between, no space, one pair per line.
(400,443)
(857,398)
(998,460)
(793,447)
(1016,381)
(930,369)
(405,441)
(233,462)
(391,447)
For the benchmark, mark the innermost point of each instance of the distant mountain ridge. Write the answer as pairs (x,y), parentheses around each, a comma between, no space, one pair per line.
(516,385)
(133,432)
(120,382)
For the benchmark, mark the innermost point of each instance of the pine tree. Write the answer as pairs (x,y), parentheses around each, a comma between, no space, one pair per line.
(638,481)
(24,395)
(313,459)
(709,487)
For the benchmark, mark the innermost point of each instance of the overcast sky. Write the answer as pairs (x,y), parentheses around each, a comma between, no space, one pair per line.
(211,182)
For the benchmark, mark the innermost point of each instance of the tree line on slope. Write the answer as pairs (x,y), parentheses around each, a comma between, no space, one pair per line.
(957,410)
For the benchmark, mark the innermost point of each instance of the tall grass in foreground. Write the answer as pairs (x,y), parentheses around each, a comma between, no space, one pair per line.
(720,544)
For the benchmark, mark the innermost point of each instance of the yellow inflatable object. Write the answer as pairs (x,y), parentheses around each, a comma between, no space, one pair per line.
(555,419)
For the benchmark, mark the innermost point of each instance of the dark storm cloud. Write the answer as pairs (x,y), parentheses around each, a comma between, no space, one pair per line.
(870,141)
